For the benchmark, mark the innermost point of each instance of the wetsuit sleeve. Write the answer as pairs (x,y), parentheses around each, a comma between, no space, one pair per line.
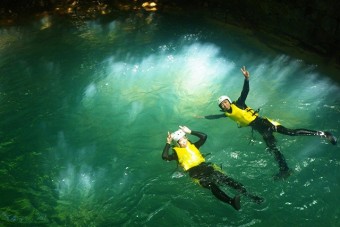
(216,116)
(202,138)
(241,101)
(166,156)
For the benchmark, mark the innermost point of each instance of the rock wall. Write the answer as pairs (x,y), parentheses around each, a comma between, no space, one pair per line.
(308,24)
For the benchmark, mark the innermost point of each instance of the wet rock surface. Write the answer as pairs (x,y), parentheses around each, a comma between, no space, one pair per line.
(305,29)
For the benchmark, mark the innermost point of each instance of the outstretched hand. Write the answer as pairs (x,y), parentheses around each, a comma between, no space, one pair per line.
(246,74)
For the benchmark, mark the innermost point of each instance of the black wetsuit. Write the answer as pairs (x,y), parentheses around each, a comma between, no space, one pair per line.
(208,176)
(266,129)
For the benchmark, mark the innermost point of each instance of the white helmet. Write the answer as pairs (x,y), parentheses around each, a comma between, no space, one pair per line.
(222,98)
(177,135)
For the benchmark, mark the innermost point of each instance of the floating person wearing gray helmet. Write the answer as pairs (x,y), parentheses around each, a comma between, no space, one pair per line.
(208,175)
(244,116)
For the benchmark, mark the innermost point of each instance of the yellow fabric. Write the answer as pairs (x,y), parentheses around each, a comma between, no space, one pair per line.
(217,168)
(273,122)
(241,117)
(189,156)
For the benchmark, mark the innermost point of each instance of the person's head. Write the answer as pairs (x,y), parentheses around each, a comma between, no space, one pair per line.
(180,138)
(224,102)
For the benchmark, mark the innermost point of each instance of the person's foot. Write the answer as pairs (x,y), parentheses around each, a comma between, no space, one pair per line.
(236,203)
(283,174)
(327,135)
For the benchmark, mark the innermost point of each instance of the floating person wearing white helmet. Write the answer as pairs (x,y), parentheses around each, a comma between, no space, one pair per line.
(244,116)
(208,175)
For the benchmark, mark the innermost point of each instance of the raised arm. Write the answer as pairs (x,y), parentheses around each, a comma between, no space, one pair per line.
(241,101)
(202,138)
(165,155)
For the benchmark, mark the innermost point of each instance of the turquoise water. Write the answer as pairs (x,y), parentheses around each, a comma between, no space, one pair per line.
(86,107)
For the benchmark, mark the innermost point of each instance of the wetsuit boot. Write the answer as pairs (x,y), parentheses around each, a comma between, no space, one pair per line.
(327,135)
(235,202)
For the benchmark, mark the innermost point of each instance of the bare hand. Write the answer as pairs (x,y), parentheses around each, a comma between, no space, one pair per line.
(168,138)
(245,72)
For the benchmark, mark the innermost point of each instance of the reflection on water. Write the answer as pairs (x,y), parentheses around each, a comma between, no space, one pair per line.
(85,110)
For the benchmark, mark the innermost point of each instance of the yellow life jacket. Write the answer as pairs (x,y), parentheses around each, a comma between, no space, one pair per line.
(242,117)
(275,123)
(189,156)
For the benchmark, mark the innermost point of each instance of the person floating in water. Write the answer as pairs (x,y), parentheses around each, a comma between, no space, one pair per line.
(244,116)
(208,175)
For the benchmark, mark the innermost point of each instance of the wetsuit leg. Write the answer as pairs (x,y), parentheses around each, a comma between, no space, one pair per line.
(266,129)
(221,177)
(218,193)
(203,173)
(296,132)
(307,132)
(284,171)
